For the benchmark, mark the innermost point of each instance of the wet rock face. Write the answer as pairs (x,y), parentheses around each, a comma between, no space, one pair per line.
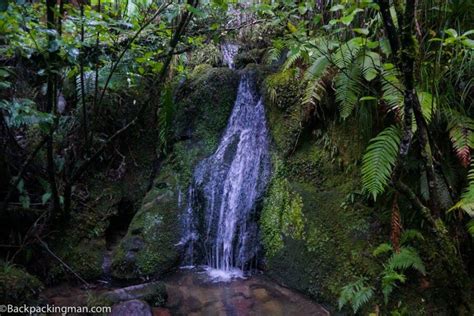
(133,307)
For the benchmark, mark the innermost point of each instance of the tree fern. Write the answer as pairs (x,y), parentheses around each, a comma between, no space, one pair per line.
(379,159)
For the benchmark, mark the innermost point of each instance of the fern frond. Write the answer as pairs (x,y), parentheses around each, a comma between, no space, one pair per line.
(293,56)
(348,89)
(406,258)
(382,248)
(466,203)
(317,68)
(272,55)
(313,92)
(356,294)
(344,56)
(389,279)
(315,85)
(461,133)
(428,105)
(370,65)
(379,160)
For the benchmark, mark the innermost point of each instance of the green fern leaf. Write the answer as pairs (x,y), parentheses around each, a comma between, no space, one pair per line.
(370,64)
(293,56)
(461,133)
(389,279)
(348,89)
(466,203)
(382,248)
(356,294)
(317,68)
(379,160)
(406,258)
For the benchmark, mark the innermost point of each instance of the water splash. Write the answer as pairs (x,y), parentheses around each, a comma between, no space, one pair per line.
(220,217)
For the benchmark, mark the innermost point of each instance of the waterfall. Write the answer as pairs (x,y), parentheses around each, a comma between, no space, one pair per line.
(228,53)
(220,216)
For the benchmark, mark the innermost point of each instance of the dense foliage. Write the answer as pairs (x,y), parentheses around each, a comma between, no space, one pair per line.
(81,81)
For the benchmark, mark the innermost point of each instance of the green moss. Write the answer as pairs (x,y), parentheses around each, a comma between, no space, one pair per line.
(253,56)
(282,213)
(335,246)
(285,111)
(148,248)
(18,286)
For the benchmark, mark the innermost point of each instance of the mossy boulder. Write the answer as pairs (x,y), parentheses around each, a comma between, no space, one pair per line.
(253,56)
(149,249)
(18,286)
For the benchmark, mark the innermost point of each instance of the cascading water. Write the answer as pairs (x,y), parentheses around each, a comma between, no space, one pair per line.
(220,217)
(228,53)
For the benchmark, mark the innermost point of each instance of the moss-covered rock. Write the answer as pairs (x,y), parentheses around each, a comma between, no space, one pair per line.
(18,286)
(149,247)
(253,56)
(317,168)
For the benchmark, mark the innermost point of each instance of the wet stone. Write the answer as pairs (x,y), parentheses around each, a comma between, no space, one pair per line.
(133,307)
